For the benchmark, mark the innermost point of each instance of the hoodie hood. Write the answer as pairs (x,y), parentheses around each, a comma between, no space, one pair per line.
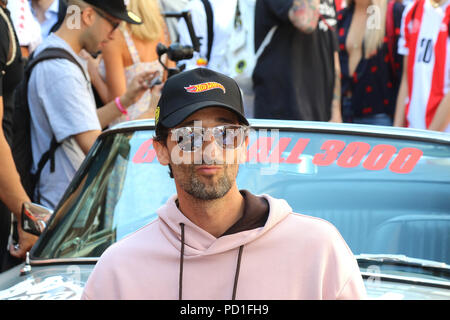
(199,242)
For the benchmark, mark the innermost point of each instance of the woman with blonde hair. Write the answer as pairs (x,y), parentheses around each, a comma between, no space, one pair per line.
(368,33)
(132,51)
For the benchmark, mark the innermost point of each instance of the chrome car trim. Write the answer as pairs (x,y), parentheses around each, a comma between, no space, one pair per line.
(401,259)
(80,260)
(27,267)
(373,276)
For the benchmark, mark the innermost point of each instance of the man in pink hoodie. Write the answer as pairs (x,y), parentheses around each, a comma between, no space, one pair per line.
(212,240)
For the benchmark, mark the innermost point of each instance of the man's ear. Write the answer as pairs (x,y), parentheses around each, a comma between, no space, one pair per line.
(162,152)
(88,16)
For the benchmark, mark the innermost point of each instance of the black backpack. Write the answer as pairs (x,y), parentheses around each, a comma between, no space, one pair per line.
(21,145)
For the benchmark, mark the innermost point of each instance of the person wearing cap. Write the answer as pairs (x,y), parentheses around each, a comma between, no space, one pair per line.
(212,240)
(61,101)
(132,51)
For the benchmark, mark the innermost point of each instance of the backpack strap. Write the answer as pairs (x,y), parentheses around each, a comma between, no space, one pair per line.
(52,53)
(265,42)
(210,23)
(48,155)
(48,54)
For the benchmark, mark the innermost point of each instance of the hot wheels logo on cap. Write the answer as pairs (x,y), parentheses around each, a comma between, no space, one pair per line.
(205,86)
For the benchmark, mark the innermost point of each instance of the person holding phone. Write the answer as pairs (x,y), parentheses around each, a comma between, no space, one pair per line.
(131,51)
(66,111)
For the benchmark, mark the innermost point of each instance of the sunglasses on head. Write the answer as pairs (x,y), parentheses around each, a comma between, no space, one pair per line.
(229,136)
(114,24)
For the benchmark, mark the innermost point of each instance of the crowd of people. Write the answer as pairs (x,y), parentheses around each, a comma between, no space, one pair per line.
(379,62)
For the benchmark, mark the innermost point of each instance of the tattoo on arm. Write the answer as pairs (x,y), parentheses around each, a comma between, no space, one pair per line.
(300,6)
(304,14)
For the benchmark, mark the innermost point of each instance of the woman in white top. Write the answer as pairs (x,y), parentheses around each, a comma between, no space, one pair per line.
(132,51)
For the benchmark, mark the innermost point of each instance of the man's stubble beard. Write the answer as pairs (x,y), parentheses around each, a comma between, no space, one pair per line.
(212,190)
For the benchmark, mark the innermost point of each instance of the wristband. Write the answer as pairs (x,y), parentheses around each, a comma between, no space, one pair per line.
(121,108)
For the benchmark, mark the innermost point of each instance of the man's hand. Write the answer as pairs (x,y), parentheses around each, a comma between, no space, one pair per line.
(137,87)
(93,63)
(26,241)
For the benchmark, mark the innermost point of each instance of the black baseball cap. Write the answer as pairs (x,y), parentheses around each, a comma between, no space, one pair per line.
(189,91)
(117,9)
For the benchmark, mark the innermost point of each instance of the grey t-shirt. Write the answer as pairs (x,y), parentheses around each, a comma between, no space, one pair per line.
(61,104)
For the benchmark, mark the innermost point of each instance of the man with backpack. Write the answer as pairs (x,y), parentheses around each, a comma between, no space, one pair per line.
(64,120)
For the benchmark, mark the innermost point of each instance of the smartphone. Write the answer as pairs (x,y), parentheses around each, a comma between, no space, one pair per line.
(154,82)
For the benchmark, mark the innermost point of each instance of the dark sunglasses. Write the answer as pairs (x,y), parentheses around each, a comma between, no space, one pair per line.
(227,136)
(114,24)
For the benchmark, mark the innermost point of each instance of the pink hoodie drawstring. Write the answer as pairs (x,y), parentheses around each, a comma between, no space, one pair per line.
(180,281)
(236,275)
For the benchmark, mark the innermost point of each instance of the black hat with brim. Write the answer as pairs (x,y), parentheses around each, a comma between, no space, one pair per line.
(117,9)
(193,90)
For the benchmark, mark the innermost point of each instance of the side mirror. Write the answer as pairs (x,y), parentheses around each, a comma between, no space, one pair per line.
(35,217)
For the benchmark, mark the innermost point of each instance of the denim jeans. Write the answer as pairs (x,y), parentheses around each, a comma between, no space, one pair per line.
(347,111)
(379,119)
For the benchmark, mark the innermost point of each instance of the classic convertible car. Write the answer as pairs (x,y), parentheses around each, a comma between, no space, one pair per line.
(387,190)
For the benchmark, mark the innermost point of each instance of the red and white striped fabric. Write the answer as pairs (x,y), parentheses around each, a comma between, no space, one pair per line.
(425,39)
(27,27)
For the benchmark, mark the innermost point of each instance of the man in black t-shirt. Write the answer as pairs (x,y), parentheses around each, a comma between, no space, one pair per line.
(297,76)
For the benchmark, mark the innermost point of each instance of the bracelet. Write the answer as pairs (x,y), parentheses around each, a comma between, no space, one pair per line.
(121,108)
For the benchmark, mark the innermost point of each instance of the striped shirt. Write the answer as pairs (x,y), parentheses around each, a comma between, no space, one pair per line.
(425,39)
